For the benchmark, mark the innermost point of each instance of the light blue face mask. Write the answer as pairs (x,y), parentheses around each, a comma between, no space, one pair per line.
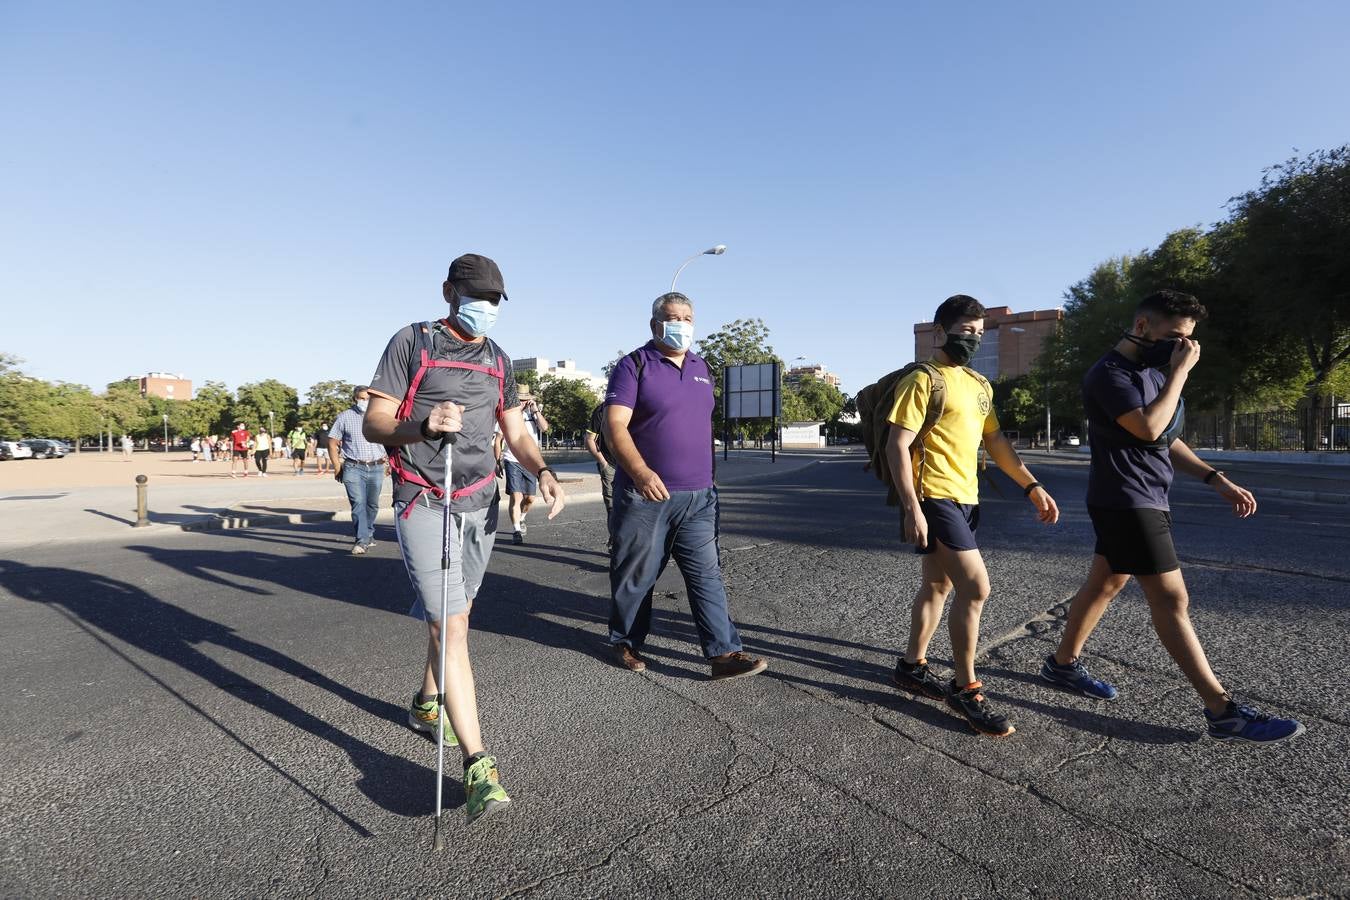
(477,316)
(677,335)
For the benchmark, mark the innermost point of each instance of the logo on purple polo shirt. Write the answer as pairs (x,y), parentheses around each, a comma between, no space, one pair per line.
(702,379)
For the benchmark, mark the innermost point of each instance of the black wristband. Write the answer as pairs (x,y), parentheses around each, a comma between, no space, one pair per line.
(1210,477)
(429,435)
(1026,491)
(542,470)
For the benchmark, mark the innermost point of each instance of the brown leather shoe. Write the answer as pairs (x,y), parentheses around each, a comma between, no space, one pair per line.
(736,665)
(625,657)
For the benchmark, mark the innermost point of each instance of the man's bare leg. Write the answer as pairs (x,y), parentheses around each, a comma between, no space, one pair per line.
(926,613)
(970,580)
(1087,608)
(1169,603)
(461,702)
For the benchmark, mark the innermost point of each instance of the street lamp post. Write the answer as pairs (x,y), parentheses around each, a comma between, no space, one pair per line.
(166,432)
(271,425)
(711,251)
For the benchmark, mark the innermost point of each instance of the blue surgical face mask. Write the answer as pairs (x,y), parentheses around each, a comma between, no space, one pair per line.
(677,335)
(362,404)
(477,316)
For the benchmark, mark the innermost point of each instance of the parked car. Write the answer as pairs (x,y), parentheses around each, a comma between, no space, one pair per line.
(46,449)
(15,450)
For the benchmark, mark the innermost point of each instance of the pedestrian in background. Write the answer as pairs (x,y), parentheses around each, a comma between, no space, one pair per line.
(262,450)
(299,443)
(359,465)
(658,425)
(322,461)
(241,443)
(196,448)
(126,446)
(520,484)
(604,464)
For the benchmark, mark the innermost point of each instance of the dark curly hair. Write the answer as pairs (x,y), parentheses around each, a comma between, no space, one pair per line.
(958,307)
(1171,304)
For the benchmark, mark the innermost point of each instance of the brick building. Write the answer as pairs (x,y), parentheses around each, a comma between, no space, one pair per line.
(816,370)
(165,385)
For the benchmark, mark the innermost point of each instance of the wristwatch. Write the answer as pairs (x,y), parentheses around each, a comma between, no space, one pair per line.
(1213,473)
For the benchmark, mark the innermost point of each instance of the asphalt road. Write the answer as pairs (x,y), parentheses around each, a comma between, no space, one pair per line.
(220,714)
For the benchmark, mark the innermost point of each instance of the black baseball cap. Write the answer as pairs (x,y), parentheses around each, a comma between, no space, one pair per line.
(476,276)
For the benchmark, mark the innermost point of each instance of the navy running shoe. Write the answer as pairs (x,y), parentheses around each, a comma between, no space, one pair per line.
(1076,677)
(1240,722)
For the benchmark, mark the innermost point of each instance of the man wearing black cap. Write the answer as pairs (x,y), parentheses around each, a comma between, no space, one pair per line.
(441,383)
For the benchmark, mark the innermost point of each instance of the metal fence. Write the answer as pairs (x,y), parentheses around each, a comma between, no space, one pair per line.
(1285,429)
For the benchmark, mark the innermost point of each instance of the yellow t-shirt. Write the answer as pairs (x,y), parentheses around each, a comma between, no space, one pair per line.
(949,468)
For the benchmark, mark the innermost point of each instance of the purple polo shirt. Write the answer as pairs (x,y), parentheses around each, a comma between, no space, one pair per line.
(672,417)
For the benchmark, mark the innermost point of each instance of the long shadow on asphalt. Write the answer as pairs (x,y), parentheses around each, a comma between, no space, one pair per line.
(105,606)
(1087,720)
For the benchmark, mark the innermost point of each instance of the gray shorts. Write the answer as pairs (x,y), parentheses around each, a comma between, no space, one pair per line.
(420,537)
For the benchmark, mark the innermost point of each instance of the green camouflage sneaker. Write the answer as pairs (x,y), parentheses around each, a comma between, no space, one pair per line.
(483,792)
(422,717)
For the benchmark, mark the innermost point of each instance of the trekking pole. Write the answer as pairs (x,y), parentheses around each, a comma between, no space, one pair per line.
(439,842)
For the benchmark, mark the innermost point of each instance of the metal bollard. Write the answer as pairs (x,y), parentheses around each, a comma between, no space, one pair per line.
(142,519)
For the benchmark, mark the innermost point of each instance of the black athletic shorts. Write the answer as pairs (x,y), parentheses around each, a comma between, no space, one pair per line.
(950,522)
(1135,541)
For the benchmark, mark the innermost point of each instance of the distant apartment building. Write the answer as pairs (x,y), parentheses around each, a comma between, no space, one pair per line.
(816,370)
(566,368)
(1012,341)
(164,385)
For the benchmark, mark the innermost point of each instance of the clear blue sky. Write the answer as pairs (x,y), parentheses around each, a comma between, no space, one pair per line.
(246,190)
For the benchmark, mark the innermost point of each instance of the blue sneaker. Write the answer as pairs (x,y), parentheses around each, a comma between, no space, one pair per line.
(1076,677)
(1240,722)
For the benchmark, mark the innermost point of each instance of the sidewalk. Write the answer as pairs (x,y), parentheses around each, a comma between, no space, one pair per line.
(182,496)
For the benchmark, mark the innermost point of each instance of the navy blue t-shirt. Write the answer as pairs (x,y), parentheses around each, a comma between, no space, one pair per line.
(1123,474)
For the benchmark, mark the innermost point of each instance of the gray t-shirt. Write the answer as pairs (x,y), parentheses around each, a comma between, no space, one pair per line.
(477,392)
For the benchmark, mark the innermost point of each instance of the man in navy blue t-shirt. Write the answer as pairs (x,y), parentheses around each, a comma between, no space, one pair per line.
(1135,417)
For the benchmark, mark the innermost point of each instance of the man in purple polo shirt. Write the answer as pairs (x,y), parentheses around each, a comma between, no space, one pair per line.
(658,425)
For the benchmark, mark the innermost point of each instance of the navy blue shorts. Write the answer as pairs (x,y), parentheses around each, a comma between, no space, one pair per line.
(1134,541)
(518,481)
(950,522)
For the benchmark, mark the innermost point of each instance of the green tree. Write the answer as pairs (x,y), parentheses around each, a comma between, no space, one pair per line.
(529,378)
(1017,405)
(124,409)
(742,342)
(254,401)
(1296,230)
(812,400)
(323,403)
(566,402)
(209,410)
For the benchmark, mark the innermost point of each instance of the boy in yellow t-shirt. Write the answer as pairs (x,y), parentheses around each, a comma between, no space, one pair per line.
(937,479)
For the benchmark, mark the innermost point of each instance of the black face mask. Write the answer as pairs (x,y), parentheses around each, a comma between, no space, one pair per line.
(961,347)
(1153,354)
